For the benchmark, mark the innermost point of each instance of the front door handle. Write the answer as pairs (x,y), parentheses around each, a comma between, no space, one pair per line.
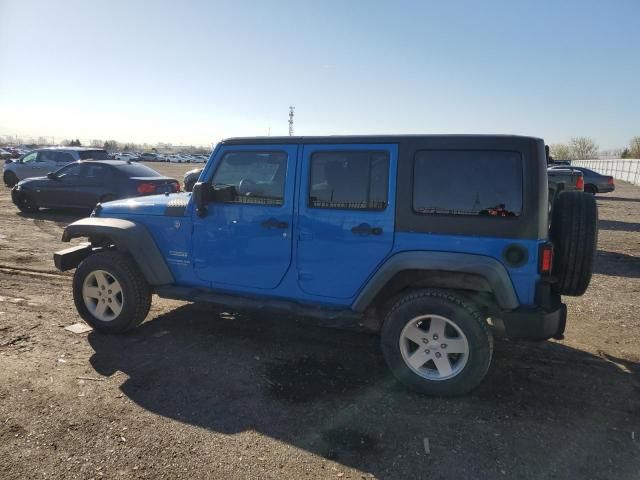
(273,223)
(366,229)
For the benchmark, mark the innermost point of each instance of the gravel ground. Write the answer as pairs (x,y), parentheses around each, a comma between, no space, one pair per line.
(197,392)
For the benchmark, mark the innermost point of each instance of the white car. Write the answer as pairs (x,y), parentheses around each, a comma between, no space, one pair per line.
(125,156)
(38,163)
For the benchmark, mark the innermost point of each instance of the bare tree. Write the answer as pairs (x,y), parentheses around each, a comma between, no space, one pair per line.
(634,147)
(560,151)
(583,148)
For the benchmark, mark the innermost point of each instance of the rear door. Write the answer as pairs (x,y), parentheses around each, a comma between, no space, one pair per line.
(346,216)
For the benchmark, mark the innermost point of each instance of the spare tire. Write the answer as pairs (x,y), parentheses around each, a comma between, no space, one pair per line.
(574,233)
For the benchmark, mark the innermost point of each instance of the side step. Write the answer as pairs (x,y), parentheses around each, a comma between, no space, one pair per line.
(331,317)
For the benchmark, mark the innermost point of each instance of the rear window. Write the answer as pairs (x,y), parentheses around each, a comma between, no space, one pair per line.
(93,155)
(467,182)
(137,170)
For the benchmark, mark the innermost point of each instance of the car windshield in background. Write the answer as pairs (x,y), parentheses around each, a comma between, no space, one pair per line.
(93,155)
(137,170)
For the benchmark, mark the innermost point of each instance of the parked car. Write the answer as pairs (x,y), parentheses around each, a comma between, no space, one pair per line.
(421,238)
(190,179)
(39,162)
(5,154)
(180,158)
(563,179)
(149,157)
(84,184)
(126,156)
(594,182)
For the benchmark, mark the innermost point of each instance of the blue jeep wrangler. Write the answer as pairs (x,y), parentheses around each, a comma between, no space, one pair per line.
(435,241)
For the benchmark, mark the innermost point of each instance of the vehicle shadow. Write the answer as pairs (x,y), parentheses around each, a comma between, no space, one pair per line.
(617,225)
(616,264)
(329,392)
(61,217)
(617,199)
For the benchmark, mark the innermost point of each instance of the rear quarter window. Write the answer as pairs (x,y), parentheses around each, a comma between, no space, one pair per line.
(468,182)
(137,170)
(93,155)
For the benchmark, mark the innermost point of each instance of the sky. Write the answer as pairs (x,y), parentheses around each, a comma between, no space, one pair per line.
(193,72)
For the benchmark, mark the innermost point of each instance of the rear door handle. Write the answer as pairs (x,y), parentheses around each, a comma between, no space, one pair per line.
(366,229)
(273,223)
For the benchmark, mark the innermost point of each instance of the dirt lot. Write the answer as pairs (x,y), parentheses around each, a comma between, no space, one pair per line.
(200,393)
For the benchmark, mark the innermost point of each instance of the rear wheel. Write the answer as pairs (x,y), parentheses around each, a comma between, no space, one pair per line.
(437,343)
(574,233)
(110,293)
(590,189)
(10,179)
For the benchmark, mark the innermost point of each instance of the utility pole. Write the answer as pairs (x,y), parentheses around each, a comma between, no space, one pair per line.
(291,114)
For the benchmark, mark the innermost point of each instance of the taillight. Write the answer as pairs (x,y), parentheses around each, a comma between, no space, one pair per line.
(175,187)
(580,183)
(610,180)
(146,188)
(545,259)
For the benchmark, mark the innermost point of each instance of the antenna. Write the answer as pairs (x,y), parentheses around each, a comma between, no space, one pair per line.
(291,114)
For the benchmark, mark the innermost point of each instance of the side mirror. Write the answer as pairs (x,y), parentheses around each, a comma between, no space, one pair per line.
(201,197)
(53,176)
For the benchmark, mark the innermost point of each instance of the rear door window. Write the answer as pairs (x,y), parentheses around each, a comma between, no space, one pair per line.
(468,182)
(354,180)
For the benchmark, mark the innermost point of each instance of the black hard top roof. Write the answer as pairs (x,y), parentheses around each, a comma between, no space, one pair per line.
(365,139)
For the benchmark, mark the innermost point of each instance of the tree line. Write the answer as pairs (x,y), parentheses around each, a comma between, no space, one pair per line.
(584,148)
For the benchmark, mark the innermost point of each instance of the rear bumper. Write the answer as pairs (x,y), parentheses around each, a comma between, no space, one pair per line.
(535,323)
(608,188)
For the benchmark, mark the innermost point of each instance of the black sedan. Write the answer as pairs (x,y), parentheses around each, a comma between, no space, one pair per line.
(84,184)
(594,182)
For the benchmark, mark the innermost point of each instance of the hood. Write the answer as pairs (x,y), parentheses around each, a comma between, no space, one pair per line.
(173,204)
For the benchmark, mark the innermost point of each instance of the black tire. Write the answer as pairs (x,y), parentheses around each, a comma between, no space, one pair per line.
(590,189)
(10,179)
(24,202)
(466,316)
(136,292)
(574,233)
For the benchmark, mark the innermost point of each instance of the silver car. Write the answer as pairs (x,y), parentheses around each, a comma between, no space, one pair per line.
(38,163)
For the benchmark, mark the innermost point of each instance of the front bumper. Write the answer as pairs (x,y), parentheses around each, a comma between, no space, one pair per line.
(535,323)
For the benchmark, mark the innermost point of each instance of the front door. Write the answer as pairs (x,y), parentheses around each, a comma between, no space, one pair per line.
(346,216)
(245,241)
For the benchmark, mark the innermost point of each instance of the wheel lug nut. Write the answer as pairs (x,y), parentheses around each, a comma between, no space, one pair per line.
(109,291)
(427,351)
(438,354)
(425,340)
(444,345)
(435,336)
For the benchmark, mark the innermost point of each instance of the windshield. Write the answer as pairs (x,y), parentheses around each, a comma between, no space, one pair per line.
(93,155)
(137,170)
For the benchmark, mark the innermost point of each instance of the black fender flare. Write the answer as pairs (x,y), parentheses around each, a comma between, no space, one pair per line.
(129,237)
(454,267)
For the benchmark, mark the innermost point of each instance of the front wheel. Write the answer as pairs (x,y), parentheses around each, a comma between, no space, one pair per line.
(24,202)
(110,293)
(437,343)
